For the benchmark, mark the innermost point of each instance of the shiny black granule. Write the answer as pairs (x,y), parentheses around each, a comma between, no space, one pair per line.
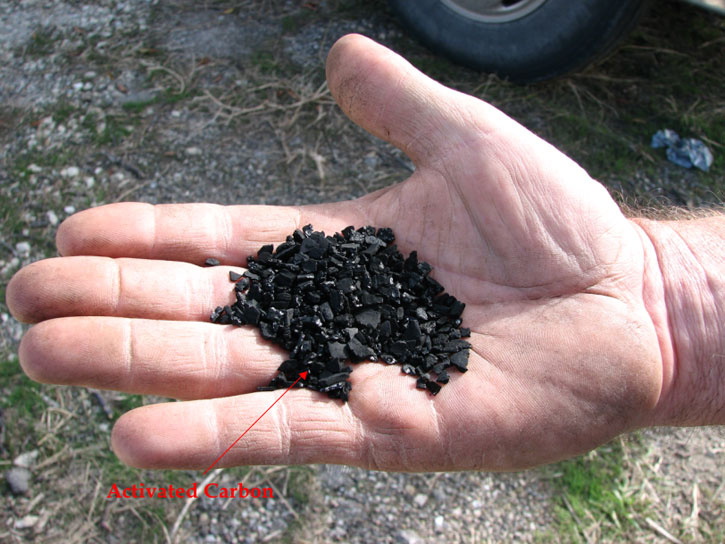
(350,297)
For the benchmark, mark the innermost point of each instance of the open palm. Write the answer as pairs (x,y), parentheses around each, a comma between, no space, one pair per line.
(565,352)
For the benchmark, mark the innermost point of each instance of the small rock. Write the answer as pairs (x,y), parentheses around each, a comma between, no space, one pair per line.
(90,182)
(70,172)
(192,151)
(70,210)
(371,160)
(439,523)
(118,177)
(52,217)
(34,168)
(78,86)
(27,459)
(409,489)
(27,522)
(420,499)
(18,479)
(440,495)
(23,248)
(408,536)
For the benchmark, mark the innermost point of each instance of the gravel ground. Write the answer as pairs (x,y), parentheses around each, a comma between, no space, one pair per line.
(224,102)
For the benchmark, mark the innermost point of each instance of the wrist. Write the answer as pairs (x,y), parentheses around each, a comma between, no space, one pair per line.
(685,294)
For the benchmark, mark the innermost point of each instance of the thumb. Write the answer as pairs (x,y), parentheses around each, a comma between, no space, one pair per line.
(388,97)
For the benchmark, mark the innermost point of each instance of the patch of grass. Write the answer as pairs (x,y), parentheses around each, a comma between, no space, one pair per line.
(594,490)
(63,111)
(47,159)
(300,479)
(292,23)
(112,131)
(21,403)
(137,106)
(11,218)
(265,61)
(128,403)
(42,42)
(172,97)
(10,118)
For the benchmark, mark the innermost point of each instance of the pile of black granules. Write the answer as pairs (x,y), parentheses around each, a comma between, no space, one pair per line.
(352,297)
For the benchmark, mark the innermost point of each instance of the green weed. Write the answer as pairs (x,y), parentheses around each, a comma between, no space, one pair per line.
(128,403)
(300,480)
(265,61)
(42,42)
(594,489)
(63,111)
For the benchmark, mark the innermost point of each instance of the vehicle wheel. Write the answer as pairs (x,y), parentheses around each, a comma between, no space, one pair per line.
(523,40)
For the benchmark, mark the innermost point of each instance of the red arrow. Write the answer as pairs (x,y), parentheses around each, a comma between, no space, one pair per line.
(303,376)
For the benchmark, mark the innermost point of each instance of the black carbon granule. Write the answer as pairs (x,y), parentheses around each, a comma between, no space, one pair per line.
(348,297)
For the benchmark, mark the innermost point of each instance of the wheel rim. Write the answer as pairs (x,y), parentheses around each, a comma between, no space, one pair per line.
(494,11)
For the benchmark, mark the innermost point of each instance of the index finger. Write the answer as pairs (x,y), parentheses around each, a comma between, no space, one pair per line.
(193,232)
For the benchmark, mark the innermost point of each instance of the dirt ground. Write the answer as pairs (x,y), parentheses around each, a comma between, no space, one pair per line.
(225,101)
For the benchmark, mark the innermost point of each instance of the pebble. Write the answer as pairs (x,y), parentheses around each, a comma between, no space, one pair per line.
(420,499)
(18,478)
(52,217)
(408,536)
(192,151)
(26,522)
(439,523)
(70,210)
(70,172)
(23,248)
(118,177)
(27,459)
(34,168)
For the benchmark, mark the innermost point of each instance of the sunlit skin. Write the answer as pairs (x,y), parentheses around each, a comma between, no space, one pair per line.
(570,336)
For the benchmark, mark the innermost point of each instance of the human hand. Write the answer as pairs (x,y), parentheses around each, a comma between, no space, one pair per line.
(570,345)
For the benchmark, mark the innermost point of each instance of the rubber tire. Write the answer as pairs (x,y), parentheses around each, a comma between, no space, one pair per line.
(557,38)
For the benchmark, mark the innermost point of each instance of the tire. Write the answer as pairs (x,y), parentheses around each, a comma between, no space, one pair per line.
(523,40)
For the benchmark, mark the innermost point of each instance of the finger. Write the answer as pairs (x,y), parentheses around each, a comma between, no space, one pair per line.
(389,425)
(194,434)
(186,360)
(387,96)
(192,232)
(71,286)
